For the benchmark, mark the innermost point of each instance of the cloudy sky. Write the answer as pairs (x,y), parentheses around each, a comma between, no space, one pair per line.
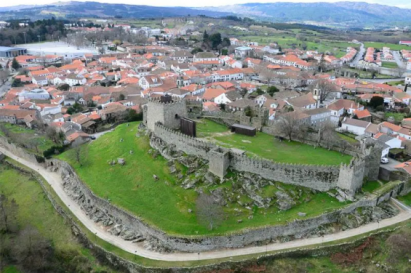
(398,3)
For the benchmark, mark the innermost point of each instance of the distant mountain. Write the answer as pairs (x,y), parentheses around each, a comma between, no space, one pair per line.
(343,14)
(75,9)
(340,13)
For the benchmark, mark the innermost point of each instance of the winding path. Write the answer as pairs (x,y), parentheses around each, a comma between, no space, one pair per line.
(55,182)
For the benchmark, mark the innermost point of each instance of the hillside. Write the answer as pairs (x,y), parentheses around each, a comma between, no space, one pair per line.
(352,14)
(95,9)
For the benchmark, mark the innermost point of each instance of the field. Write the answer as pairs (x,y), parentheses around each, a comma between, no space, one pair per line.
(391,46)
(32,140)
(389,65)
(371,186)
(34,209)
(164,203)
(265,146)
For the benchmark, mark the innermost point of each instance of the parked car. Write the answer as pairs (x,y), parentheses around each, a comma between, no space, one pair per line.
(92,137)
(384,160)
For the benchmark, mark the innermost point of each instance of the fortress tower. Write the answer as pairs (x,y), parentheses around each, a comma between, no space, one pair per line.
(166,111)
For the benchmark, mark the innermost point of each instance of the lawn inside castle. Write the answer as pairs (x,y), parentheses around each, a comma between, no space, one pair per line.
(164,204)
(266,146)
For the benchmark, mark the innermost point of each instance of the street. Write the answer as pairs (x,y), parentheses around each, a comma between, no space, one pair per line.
(359,56)
(398,59)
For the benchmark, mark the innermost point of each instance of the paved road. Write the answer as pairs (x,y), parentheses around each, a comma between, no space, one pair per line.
(97,135)
(398,59)
(55,182)
(359,56)
(390,165)
(384,80)
(5,87)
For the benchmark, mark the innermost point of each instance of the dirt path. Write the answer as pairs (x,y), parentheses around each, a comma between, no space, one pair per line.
(55,182)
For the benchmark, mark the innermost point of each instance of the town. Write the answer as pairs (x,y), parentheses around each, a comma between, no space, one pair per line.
(176,139)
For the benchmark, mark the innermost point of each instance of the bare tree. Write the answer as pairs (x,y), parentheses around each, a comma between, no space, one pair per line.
(81,154)
(400,71)
(322,88)
(327,135)
(4,75)
(52,134)
(32,250)
(288,124)
(8,214)
(209,213)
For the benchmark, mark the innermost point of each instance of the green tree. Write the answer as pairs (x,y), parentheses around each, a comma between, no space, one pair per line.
(376,101)
(122,97)
(272,89)
(16,83)
(64,87)
(259,91)
(134,116)
(15,64)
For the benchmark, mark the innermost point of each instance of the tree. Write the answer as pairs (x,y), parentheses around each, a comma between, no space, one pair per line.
(17,83)
(243,92)
(287,125)
(322,88)
(54,135)
(209,213)
(64,87)
(272,89)
(376,101)
(259,91)
(15,64)
(4,75)
(32,250)
(327,135)
(8,213)
(248,111)
(81,154)
(121,97)
(134,116)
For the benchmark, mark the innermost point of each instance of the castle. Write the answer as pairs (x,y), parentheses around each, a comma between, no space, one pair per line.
(161,117)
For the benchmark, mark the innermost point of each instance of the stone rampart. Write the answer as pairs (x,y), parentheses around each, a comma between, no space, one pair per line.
(101,210)
(321,178)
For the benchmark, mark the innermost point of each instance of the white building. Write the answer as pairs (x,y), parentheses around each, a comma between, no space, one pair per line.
(355,126)
(34,94)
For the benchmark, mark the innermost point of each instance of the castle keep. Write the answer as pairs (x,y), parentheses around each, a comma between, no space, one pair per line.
(162,120)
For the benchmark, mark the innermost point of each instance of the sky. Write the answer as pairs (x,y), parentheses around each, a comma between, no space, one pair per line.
(397,3)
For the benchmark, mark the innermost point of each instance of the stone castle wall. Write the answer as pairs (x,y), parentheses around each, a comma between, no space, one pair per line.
(18,151)
(100,208)
(321,178)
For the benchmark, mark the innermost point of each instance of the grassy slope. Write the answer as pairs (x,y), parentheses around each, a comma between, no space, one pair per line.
(166,206)
(36,210)
(206,128)
(264,145)
(23,132)
(406,199)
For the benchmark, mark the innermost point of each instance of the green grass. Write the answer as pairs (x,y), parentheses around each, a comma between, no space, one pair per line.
(395,83)
(23,135)
(36,210)
(206,128)
(397,116)
(381,45)
(348,137)
(11,269)
(265,146)
(371,186)
(406,199)
(132,188)
(389,64)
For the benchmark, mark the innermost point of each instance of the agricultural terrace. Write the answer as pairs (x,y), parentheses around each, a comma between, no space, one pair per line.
(164,203)
(266,146)
(381,45)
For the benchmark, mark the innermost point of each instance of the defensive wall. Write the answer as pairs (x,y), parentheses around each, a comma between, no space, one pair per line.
(348,177)
(101,210)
